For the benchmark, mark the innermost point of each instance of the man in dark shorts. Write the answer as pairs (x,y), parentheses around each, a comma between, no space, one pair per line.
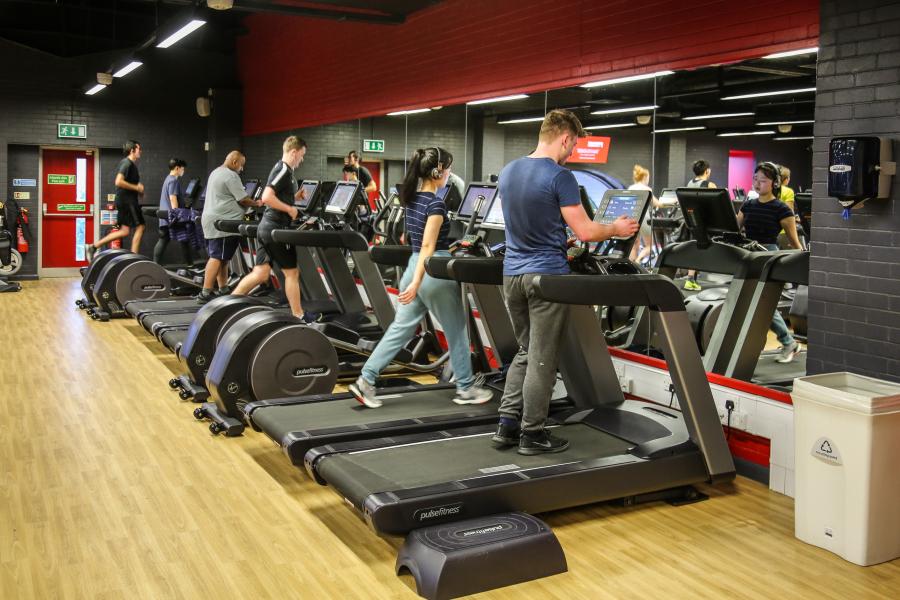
(279,196)
(171,197)
(128,189)
(540,197)
(226,199)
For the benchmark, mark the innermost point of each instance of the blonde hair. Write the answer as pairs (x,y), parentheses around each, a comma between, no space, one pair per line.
(292,142)
(784,172)
(640,173)
(559,121)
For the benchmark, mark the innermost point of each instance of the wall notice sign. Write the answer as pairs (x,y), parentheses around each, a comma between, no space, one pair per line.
(24,182)
(21,195)
(70,207)
(71,130)
(110,197)
(373,145)
(591,149)
(60,179)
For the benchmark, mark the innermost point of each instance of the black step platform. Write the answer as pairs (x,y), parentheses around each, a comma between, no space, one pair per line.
(476,555)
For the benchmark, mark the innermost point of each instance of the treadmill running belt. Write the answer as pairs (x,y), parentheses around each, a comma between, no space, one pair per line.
(769,372)
(279,421)
(182,304)
(359,474)
(172,338)
(175,319)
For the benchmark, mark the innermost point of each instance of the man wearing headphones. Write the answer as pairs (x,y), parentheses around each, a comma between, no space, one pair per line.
(762,219)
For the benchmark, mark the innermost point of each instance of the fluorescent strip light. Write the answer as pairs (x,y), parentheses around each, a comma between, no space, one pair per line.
(796,137)
(718,116)
(498,99)
(740,133)
(614,111)
(788,122)
(612,126)
(525,120)
(626,79)
(678,129)
(94,89)
(181,33)
(792,53)
(127,68)
(776,93)
(408,112)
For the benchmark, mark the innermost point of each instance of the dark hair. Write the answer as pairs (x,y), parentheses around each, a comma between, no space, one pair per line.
(700,167)
(130,145)
(773,172)
(174,163)
(351,169)
(353,154)
(421,163)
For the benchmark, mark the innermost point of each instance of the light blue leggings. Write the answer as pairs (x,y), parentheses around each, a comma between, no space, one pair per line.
(443,298)
(778,325)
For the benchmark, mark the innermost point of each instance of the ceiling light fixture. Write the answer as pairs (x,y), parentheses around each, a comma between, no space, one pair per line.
(408,112)
(95,89)
(182,33)
(792,53)
(717,116)
(678,129)
(612,126)
(615,111)
(775,93)
(740,133)
(498,99)
(804,122)
(627,79)
(523,120)
(794,137)
(127,68)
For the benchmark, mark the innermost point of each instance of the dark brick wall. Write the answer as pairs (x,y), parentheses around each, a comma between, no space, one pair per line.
(155,104)
(854,296)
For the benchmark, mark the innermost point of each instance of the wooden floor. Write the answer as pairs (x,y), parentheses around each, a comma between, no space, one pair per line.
(111,490)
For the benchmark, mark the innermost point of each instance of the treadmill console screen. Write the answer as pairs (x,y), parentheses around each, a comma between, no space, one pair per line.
(191,189)
(310,188)
(342,197)
(250,187)
(494,217)
(488,191)
(619,203)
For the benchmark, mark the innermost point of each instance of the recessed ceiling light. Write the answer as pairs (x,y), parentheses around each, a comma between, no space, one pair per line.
(788,122)
(612,126)
(127,68)
(498,99)
(522,120)
(95,89)
(740,133)
(626,79)
(717,116)
(614,111)
(796,137)
(408,112)
(181,33)
(678,129)
(792,53)
(775,93)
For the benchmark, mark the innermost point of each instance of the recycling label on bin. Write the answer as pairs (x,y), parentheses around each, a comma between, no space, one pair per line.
(825,450)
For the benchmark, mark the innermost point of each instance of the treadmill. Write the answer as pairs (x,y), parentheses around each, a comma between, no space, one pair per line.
(619,448)
(298,424)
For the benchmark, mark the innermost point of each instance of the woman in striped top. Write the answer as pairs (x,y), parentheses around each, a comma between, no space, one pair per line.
(427,231)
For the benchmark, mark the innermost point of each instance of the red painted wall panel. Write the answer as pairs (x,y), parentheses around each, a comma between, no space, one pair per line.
(299,72)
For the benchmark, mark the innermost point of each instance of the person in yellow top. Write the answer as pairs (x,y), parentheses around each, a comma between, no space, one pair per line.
(787,194)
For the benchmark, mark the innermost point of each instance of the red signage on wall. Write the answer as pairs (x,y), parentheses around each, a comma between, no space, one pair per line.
(591,149)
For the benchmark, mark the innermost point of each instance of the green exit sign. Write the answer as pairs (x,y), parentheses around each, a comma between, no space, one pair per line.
(373,145)
(71,130)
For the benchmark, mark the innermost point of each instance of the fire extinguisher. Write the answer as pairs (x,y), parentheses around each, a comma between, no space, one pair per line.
(21,226)
(116,243)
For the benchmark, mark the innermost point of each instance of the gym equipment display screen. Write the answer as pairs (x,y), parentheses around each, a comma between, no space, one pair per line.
(191,189)
(618,203)
(707,209)
(250,187)
(472,193)
(494,217)
(310,188)
(342,197)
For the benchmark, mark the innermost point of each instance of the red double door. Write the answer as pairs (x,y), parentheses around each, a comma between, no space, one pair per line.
(67,204)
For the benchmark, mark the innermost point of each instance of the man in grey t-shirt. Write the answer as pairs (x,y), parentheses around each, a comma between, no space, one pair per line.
(225,199)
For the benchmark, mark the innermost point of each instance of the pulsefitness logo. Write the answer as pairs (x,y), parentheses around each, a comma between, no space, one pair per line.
(154,287)
(437,512)
(482,530)
(306,371)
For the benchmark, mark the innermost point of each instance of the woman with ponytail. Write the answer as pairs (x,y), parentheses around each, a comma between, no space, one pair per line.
(427,230)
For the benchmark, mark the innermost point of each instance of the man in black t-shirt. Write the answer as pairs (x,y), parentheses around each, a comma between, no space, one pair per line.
(128,190)
(279,195)
(363,175)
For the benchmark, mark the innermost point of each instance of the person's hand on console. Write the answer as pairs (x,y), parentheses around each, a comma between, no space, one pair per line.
(625,226)
(294,213)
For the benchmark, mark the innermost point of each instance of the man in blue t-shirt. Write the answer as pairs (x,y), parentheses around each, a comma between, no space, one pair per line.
(540,197)
(171,197)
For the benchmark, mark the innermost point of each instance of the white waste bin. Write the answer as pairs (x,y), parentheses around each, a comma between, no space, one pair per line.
(847,451)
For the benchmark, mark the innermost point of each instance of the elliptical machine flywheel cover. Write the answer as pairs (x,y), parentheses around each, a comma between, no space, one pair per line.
(295,360)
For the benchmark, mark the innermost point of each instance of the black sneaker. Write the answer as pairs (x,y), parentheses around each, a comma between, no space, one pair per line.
(223,291)
(507,434)
(204,296)
(541,442)
(312,317)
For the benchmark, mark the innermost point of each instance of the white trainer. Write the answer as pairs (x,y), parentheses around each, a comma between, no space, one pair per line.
(474,395)
(364,392)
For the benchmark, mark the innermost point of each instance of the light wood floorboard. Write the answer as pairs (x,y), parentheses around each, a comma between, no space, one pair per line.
(113,490)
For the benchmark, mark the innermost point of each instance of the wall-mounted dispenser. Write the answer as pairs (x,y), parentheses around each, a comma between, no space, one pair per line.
(859,168)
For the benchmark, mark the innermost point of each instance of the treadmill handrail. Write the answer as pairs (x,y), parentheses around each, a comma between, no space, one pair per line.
(477,269)
(655,291)
(391,254)
(229,225)
(791,266)
(248,229)
(350,240)
(438,266)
